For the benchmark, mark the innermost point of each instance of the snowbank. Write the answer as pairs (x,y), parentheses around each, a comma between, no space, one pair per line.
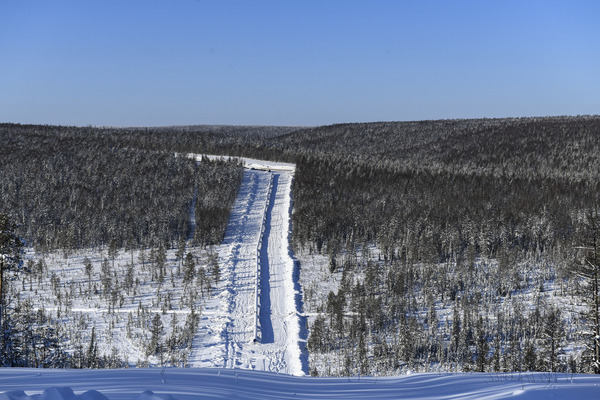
(193,384)
(62,393)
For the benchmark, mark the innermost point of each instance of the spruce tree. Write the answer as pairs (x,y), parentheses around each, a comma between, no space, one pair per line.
(588,268)
(11,254)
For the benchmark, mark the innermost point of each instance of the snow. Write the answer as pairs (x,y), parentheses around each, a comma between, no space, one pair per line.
(54,393)
(254,323)
(252,163)
(250,343)
(249,320)
(211,383)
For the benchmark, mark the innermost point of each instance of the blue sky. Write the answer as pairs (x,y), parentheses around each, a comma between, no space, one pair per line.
(167,62)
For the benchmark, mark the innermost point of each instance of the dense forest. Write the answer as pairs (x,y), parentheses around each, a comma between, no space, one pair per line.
(452,245)
(477,219)
(69,188)
(475,226)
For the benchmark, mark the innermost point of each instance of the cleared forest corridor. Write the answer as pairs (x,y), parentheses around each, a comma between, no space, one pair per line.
(257,313)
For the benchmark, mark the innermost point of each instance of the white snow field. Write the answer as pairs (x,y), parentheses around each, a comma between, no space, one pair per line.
(210,383)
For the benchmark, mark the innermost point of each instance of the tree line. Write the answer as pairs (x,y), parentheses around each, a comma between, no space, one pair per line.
(69,188)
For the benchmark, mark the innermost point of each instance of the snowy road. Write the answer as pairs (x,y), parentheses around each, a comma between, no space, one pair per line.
(254,322)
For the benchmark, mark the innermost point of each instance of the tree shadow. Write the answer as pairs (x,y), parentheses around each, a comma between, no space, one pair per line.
(266,325)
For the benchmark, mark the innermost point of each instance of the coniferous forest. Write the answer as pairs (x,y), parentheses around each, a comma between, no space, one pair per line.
(444,245)
(69,188)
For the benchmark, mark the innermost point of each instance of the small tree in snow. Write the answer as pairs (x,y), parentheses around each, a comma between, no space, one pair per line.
(189,268)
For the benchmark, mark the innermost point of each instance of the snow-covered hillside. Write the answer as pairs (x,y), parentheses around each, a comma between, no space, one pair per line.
(235,305)
(194,384)
(247,301)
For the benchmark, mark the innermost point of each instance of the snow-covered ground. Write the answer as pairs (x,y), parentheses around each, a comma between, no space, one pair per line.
(193,384)
(252,163)
(254,324)
(249,318)
(249,321)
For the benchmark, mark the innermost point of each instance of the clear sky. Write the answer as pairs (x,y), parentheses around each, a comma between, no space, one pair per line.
(295,62)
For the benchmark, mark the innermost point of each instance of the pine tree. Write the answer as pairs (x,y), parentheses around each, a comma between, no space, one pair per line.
(553,333)
(92,352)
(113,250)
(588,268)
(189,268)
(529,357)
(214,266)
(180,254)
(11,254)
(332,263)
(156,331)
(89,268)
(161,259)
(317,335)
(482,344)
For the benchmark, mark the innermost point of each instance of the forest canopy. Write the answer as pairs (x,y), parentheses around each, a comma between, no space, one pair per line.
(69,188)
(444,237)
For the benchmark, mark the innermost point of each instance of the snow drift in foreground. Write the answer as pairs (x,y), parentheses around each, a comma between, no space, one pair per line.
(184,384)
